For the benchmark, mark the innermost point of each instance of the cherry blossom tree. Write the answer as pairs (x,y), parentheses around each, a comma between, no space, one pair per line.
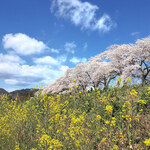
(125,60)
(142,57)
(102,73)
(60,85)
(132,60)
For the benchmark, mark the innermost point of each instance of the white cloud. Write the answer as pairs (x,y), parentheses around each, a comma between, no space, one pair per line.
(64,68)
(17,72)
(62,58)
(22,44)
(11,58)
(85,46)
(70,47)
(24,75)
(54,50)
(8,70)
(82,14)
(46,60)
(46,70)
(104,23)
(12,81)
(76,60)
(136,34)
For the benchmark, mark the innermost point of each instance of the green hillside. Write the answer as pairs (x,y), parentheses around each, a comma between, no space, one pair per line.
(117,118)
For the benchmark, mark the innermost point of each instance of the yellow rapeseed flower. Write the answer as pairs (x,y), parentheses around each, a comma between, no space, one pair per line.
(17,147)
(66,102)
(141,110)
(127,104)
(119,79)
(148,90)
(107,122)
(115,147)
(147,142)
(74,80)
(141,101)
(45,140)
(133,93)
(98,92)
(103,140)
(113,121)
(98,117)
(128,80)
(109,109)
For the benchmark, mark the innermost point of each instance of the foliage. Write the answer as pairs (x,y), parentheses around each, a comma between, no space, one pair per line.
(116,118)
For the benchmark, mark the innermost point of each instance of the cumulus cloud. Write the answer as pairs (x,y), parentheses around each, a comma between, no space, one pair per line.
(17,72)
(62,58)
(76,60)
(82,14)
(8,70)
(22,44)
(23,75)
(70,47)
(46,60)
(54,50)
(104,23)
(11,58)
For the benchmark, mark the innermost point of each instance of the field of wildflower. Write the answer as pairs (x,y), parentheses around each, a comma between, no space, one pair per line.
(114,119)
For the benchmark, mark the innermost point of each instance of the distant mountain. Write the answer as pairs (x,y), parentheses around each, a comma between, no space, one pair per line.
(23,93)
(3,91)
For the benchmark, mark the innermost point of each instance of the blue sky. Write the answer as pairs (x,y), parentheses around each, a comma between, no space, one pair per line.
(40,39)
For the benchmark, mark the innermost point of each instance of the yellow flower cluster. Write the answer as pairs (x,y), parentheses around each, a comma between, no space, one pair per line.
(46,140)
(113,122)
(148,90)
(141,101)
(74,80)
(55,144)
(115,147)
(133,93)
(128,80)
(17,147)
(127,104)
(80,92)
(119,79)
(103,140)
(98,94)
(109,109)
(105,120)
(77,130)
(98,117)
(147,142)
(11,116)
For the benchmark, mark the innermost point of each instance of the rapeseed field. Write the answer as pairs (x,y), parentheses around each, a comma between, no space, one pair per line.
(114,119)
